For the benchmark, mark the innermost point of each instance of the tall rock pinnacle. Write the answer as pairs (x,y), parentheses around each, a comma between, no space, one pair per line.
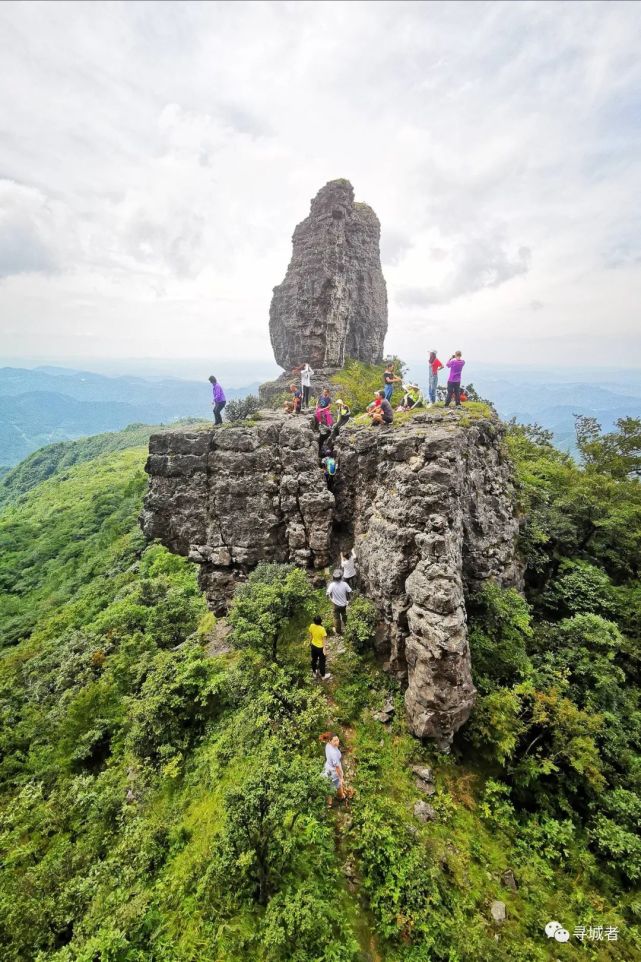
(332,304)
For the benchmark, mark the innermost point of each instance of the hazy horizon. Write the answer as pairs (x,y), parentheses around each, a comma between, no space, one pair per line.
(244,373)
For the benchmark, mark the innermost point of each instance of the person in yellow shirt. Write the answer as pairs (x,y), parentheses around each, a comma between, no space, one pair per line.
(317,638)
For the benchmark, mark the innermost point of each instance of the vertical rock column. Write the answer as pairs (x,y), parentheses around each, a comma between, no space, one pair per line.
(332,304)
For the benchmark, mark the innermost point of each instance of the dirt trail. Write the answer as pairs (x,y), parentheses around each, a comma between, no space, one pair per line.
(343,818)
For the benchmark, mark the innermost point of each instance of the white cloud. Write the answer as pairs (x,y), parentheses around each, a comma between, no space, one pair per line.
(157,156)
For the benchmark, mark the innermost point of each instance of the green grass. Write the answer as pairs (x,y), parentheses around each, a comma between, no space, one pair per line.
(99,662)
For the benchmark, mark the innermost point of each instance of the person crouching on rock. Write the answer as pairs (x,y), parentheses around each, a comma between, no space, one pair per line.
(218,400)
(381,412)
(317,638)
(412,398)
(333,769)
(293,403)
(338,591)
(323,413)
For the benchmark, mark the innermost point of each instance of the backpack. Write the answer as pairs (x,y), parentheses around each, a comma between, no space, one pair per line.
(330,466)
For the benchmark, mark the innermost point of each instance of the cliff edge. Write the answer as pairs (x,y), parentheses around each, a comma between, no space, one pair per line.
(427,504)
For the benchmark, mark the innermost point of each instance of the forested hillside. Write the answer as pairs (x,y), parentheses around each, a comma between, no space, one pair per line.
(54,458)
(44,406)
(160,791)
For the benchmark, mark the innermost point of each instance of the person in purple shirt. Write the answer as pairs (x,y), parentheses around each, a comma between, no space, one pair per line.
(219,400)
(456,365)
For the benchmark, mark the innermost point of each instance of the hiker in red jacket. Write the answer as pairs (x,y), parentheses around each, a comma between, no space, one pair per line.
(434,366)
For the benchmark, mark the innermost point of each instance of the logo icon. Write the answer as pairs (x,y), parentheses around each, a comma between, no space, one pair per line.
(554,930)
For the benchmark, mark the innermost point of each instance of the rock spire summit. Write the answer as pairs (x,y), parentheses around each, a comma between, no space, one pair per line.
(332,304)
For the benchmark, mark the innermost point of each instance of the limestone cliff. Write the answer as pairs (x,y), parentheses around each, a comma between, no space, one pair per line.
(332,304)
(427,505)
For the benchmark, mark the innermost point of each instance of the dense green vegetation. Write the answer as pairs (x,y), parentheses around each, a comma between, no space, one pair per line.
(160,804)
(55,458)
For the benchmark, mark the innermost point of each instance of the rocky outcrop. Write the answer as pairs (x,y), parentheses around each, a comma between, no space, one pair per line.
(427,505)
(232,497)
(332,304)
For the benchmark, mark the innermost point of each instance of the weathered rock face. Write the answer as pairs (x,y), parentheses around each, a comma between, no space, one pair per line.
(233,497)
(431,509)
(332,304)
(427,505)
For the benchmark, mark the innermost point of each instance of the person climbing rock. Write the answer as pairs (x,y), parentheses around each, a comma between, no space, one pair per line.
(456,365)
(323,411)
(325,441)
(330,465)
(306,374)
(333,769)
(344,413)
(338,591)
(317,638)
(219,401)
(390,379)
(434,367)
(348,564)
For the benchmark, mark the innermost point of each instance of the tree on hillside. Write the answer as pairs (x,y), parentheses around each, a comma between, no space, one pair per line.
(263,605)
(617,453)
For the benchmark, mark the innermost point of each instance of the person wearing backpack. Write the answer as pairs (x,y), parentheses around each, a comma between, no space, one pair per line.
(330,465)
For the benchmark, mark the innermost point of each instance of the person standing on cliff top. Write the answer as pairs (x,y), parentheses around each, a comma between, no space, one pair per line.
(306,374)
(390,380)
(434,366)
(219,401)
(456,365)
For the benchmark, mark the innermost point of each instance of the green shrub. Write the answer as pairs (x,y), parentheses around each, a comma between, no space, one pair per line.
(242,409)
(500,627)
(616,832)
(263,605)
(361,624)
(581,588)
(357,383)
(181,693)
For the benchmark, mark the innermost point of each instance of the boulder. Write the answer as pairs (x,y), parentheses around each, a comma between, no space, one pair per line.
(424,812)
(498,911)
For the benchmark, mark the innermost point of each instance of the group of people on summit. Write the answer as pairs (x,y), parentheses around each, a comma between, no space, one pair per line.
(380,408)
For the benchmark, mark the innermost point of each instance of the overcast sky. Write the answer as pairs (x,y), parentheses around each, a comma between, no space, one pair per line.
(156,157)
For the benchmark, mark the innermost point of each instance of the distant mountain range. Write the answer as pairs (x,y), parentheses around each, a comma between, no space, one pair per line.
(43,405)
(552,396)
(39,406)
